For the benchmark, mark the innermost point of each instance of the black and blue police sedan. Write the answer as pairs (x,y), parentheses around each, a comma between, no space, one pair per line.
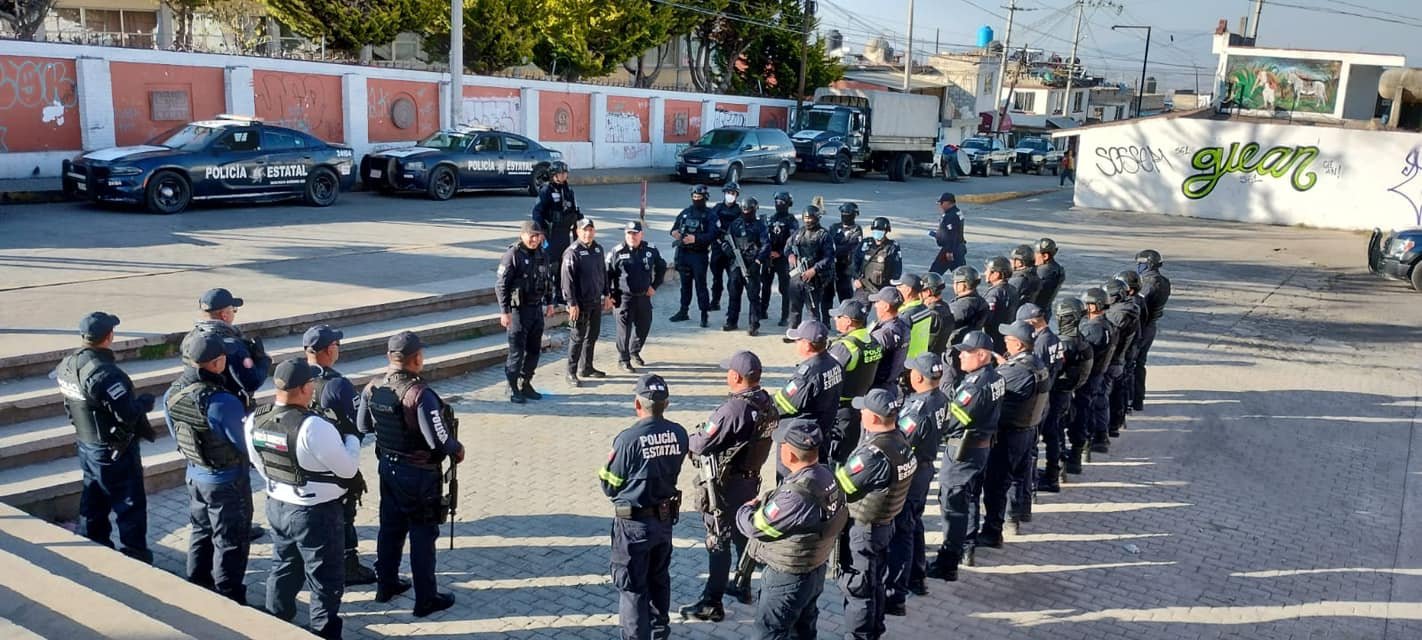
(448,162)
(228,158)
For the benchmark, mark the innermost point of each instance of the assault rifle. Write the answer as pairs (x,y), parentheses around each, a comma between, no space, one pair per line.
(452,476)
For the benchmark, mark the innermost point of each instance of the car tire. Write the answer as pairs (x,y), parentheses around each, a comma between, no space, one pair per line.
(733,174)
(443,183)
(904,167)
(322,188)
(537,179)
(841,171)
(1417,277)
(782,175)
(1007,170)
(168,193)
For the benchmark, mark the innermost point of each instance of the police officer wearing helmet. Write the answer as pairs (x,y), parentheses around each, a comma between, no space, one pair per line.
(585,288)
(1026,383)
(1137,302)
(1002,299)
(555,213)
(640,479)
(848,236)
(635,270)
(725,212)
(1155,289)
(892,331)
(694,231)
(1126,323)
(1050,272)
(749,247)
(1091,403)
(811,268)
(793,529)
(814,388)
(924,411)
(782,226)
(878,260)
(1077,360)
(952,244)
(108,419)
(970,310)
(335,398)
(415,432)
(206,422)
(875,480)
(524,288)
(308,467)
(730,450)
(944,322)
(247,359)
(1048,349)
(860,355)
(1024,274)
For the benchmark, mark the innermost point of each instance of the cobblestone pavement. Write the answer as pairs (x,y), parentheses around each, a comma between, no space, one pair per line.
(1260,495)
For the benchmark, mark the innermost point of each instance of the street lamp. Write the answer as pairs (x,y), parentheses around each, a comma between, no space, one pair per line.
(1140,93)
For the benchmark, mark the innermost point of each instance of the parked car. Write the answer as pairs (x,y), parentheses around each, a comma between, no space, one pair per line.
(232,158)
(733,154)
(465,159)
(1038,155)
(987,155)
(1396,254)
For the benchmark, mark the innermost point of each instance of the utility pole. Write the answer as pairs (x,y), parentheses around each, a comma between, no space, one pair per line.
(1002,69)
(1254,24)
(456,62)
(908,53)
(1140,93)
(804,55)
(1071,62)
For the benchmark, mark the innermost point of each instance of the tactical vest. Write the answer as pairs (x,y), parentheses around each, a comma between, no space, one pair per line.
(882,505)
(747,243)
(534,284)
(187,409)
(865,354)
(875,262)
(802,553)
(694,224)
(93,423)
(274,432)
(920,319)
(1159,288)
(1024,413)
(339,418)
(747,459)
(394,403)
(807,245)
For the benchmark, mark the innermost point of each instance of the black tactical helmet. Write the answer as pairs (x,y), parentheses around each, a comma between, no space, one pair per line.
(700,190)
(1132,280)
(752,205)
(1068,309)
(998,264)
(557,167)
(1150,257)
(966,274)
(784,196)
(1096,296)
(849,209)
(881,224)
(1047,246)
(933,283)
(1024,253)
(1115,290)
(812,211)
(731,187)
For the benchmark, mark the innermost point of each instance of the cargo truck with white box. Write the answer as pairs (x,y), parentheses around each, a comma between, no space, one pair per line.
(850,131)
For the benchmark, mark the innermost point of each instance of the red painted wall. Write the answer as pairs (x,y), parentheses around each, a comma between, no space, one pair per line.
(774,117)
(383,96)
(132,83)
(39,106)
(683,121)
(306,102)
(564,117)
(620,111)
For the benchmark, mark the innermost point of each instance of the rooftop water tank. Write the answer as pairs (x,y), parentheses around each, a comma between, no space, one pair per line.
(984,36)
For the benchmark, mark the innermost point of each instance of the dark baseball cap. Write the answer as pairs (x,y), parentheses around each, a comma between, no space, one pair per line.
(878,401)
(1029,311)
(199,347)
(634,226)
(812,330)
(743,362)
(910,280)
(585,222)
(801,433)
(292,373)
(320,336)
(98,324)
(930,365)
(531,227)
(889,295)
(219,298)
(852,309)
(947,197)
(652,387)
(404,343)
(1020,330)
(974,340)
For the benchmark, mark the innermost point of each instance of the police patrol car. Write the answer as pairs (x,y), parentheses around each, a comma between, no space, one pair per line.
(448,162)
(227,158)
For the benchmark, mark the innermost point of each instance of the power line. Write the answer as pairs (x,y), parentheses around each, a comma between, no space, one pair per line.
(1341,12)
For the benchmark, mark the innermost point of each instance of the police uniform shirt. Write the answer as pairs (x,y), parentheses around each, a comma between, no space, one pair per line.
(886,254)
(785,513)
(894,336)
(319,449)
(819,256)
(970,313)
(556,211)
(813,389)
(1002,307)
(950,231)
(976,405)
(1020,387)
(752,233)
(1052,276)
(108,386)
(946,321)
(338,396)
(921,421)
(225,416)
(847,238)
(432,427)
(781,227)
(248,372)
(631,271)
(644,462)
(702,224)
(1048,348)
(868,470)
(725,214)
(1155,288)
(1027,284)
(1097,333)
(732,423)
(584,273)
(518,265)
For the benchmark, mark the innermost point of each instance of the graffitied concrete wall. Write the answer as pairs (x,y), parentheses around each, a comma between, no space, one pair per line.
(401,110)
(39,104)
(152,98)
(1253,172)
(730,114)
(302,101)
(496,107)
(627,120)
(774,117)
(683,121)
(564,117)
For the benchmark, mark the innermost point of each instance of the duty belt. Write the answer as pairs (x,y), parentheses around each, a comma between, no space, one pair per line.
(405,459)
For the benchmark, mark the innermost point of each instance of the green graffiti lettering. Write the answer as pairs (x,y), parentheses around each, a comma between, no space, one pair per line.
(1276,162)
(1303,180)
(1213,163)
(1210,160)
(1246,155)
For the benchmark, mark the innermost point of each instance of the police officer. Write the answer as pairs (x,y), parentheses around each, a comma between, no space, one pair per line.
(1026,384)
(793,529)
(781,225)
(336,398)
(1072,376)
(724,213)
(892,331)
(1137,302)
(108,419)
(811,268)
(1002,299)
(749,242)
(206,422)
(970,310)
(640,478)
(247,359)
(308,467)
(943,325)
(1125,321)
(847,236)
(1050,272)
(730,450)
(973,412)
(920,420)
(875,480)
(952,244)
(1024,274)
(860,355)
(1091,405)
(922,321)
(1155,288)
(635,270)
(415,431)
(694,232)
(877,261)
(524,288)
(555,212)
(814,388)
(1048,349)
(585,288)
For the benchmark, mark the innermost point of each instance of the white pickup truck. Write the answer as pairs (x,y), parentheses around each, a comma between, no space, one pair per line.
(987,154)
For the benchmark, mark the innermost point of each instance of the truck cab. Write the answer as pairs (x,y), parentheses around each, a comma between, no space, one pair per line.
(851,131)
(987,153)
(1395,255)
(831,139)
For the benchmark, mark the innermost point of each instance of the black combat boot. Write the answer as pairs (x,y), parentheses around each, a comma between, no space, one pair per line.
(526,386)
(1072,464)
(712,611)
(357,573)
(729,326)
(944,568)
(591,372)
(1101,445)
(1048,481)
(515,393)
(705,318)
(754,329)
(573,380)
(680,316)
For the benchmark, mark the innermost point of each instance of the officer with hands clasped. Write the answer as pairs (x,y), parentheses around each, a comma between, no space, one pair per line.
(640,479)
(585,288)
(847,236)
(635,270)
(921,418)
(747,245)
(524,288)
(877,260)
(695,231)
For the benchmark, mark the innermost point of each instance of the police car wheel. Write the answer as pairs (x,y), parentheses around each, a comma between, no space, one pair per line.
(442,183)
(537,179)
(782,175)
(322,187)
(168,193)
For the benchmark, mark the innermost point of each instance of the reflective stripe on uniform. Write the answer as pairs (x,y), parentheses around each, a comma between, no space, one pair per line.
(783,403)
(609,477)
(960,414)
(764,525)
(845,483)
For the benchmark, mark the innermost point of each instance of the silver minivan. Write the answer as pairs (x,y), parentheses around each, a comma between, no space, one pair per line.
(735,154)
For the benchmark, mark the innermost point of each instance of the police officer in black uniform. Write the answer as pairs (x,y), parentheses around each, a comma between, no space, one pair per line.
(875,480)
(1024,274)
(1002,299)
(585,288)
(247,359)
(952,244)
(1072,376)
(877,260)
(860,355)
(811,268)
(524,288)
(1026,383)
(1048,349)
(108,419)
(640,478)
(814,388)
(781,226)
(415,432)
(793,529)
(944,322)
(921,419)
(1091,403)
(730,450)
(1126,322)
(1138,304)
(970,310)
(1050,272)
(694,232)
(1155,288)
(635,270)
(724,213)
(847,236)
(893,332)
(749,249)
(555,212)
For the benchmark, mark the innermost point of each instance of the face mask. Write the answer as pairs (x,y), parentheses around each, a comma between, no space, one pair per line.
(730,198)
(879,234)
(847,221)
(748,213)
(1142,267)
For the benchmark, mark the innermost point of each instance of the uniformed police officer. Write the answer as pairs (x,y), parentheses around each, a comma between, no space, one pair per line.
(811,268)
(1093,412)
(922,321)
(781,225)
(847,236)
(814,388)
(206,422)
(555,212)
(108,419)
(308,467)
(1002,299)
(1048,349)
(640,478)
(414,433)
(730,450)
(524,289)
(944,323)
(970,310)
(635,270)
(1155,288)
(1074,373)
(920,420)
(877,261)
(1138,304)
(749,249)
(247,359)
(1050,272)
(860,355)
(721,260)
(891,331)
(793,529)
(1024,274)
(336,398)
(875,480)
(1026,384)
(973,413)
(585,288)
(952,244)
(1126,322)
(694,232)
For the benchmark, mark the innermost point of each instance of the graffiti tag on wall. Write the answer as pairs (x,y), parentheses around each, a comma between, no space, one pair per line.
(623,127)
(1131,160)
(299,102)
(1214,163)
(31,84)
(495,113)
(1411,188)
(730,118)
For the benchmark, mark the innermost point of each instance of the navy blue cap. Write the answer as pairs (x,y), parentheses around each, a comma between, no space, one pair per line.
(1029,311)
(98,324)
(744,363)
(947,197)
(404,343)
(652,387)
(812,330)
(910,280)
(1020,330)
(292,373)
(852,309)
(219,298)
(633,226)
(199,347)
(888,295)
(801,433)
(878,401)
(320,336)
(530,227)
(930,365)
(974,340)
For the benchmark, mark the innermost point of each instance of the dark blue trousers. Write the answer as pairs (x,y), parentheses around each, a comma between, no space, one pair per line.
(218,544)
(525,340)
(634,321)
(1010,455)
(788,606)
(1054,429)
(114,483)
(744,288)
(959,487)
(864,561)
(692,266)
(1138,388)
(307,549)
(641,573)
(778,272)
(409,498)
(908,562)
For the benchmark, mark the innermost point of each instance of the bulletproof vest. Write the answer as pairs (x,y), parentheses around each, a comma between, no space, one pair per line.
(340,419)
(778,226)
(1105,347)
(875,262)
(394,403)
(274,432)
(865,354)
(1027,284)
(807,243)
(187,409)
(534,283)
(883,504)
(1020,411)
(1076,364)
(922,428)
(748,458)
(974,317)
(1124,323)
(93,422)
(1158,286)
(694,224)
(846,235)
(920,319)
(746,242)
(231,383)
(801,553)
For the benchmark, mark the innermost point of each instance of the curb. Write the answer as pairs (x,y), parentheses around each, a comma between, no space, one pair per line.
(1002,196)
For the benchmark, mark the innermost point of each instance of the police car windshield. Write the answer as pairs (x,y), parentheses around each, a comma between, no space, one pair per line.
(446,141)
(976,143)
(190,137)
(721,139)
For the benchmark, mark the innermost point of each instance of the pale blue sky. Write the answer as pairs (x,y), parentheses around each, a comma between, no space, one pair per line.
(1117,55)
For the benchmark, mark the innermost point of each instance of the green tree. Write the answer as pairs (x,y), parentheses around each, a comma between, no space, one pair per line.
(183,11)
(676,21)
(590,38)
(25,17)
(350,25)
(498,34)
(759,54)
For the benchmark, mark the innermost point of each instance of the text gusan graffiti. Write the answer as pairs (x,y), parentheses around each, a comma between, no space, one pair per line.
(1215,163)
(1408,187)
(1130,160)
